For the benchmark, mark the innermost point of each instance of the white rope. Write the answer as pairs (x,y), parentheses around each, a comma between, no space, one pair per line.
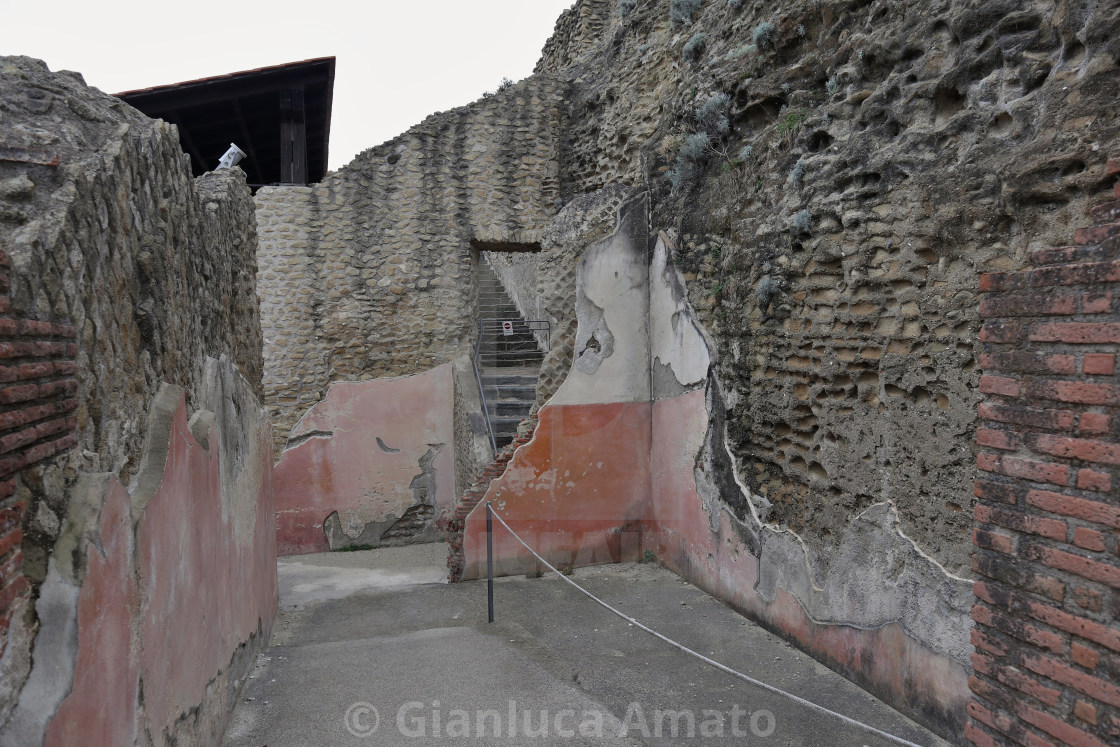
(701,657)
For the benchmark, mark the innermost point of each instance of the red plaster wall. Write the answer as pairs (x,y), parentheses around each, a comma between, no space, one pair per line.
(167,612)
(37,402)
(1047,636)
(578,492)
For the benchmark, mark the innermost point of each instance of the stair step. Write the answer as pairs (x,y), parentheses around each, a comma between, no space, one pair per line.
(511,392)
(509,409)
(506,423)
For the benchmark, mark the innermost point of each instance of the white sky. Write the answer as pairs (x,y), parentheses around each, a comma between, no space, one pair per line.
(398,60)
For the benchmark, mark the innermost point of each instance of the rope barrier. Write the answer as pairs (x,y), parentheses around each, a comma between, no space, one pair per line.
(701,657)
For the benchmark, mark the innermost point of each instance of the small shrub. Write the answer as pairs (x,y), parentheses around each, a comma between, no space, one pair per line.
(643,49)
(681,11)
(763,34)
(712,114)
(626,7)
(832,87)
(736,4)
(740,51)
(797,173)
(649,557)
(786,87)
(746,152)
(693,151)
(504,85)
(789,120)
(801,221)
(694,47)
(801,30)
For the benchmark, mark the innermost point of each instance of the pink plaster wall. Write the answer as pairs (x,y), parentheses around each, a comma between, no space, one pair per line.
(101,708)
(341,467)
(173,586)
(886,660)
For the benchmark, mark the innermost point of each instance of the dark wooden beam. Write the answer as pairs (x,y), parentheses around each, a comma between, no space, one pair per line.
(185,138)
(249,150)
(293,137)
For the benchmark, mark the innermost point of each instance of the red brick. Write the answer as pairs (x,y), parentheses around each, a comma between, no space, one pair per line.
(1084,656)
(1028,685)
(991,282)
(1000,722)
(1112,166)
(49,449)
(1087,450)
(1085,683)
(1077,333)
(993,594)
(1096,303)
(987,643)
(999,492)
(1070,563)
(1006,440)
(31,327)
(65,368)
(14,588)
(1027,304)
(10,541)
(16,349)
(1080,626)
(20,393)
(13,441)
(991,540)
(1056,474)
(978,737)
(1015,575)
(1020,522)
(1068,733)
(999,385)
(1094,422)
(1099,364)
(1090,539)
(996,332)
(1076,391)
(12,463)
(64,330)
(1095,234)
(1086,712)
(1023,362)
(1086,598)
(35,370)
(1058,420)
(1088,479)
(1082,273)
(52,388)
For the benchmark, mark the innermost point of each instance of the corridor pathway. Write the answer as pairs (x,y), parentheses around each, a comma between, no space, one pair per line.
(374,648)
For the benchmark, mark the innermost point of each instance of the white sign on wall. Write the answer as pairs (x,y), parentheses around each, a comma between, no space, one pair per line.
(507,328)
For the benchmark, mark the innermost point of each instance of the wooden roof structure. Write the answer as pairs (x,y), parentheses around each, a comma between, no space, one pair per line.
(280,116)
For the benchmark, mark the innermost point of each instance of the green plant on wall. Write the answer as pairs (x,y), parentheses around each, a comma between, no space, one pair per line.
(682,11)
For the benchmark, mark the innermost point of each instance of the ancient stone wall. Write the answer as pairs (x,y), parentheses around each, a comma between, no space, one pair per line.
(370,273)
(825,194)
(126,274)
(1046,637)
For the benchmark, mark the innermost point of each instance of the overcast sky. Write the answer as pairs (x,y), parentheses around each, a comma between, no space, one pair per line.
(398,60)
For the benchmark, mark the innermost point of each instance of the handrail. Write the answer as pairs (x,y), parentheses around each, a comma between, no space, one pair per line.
(491,330)
(482,394)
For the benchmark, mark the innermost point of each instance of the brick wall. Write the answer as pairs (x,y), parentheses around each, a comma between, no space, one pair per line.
(1047,636)
(37,404)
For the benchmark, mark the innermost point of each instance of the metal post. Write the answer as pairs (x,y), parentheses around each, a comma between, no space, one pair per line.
(490,561)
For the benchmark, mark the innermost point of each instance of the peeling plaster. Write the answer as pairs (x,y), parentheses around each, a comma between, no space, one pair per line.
(875,576)
(676,340)
(612,306)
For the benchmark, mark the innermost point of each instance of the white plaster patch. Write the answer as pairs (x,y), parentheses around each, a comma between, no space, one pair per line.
(612,290)
(675,337)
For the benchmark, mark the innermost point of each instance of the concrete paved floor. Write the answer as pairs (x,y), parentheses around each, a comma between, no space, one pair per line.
(373,648)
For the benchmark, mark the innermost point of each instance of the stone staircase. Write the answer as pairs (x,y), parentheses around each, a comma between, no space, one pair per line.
(508,364)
